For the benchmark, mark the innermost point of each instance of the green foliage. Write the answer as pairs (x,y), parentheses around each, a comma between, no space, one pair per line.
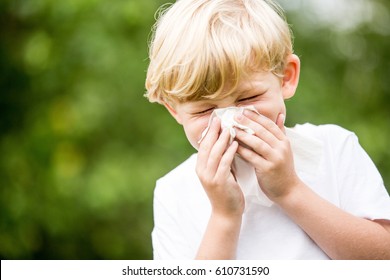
(344,78)
(81,147)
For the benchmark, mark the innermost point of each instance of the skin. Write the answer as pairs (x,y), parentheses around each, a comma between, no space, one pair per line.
(339,234)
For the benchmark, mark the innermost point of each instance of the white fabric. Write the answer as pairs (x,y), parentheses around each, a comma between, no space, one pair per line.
(327,158)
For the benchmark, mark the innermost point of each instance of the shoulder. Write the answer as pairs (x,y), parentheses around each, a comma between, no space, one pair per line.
(178,178)
(336,141)
(323,131)
(333,137)
(181,172)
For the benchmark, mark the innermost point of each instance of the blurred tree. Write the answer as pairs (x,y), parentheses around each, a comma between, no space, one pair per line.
(78,160)
(80,146)
(344,50)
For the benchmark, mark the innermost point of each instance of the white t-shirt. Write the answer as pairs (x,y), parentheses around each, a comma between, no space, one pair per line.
(327,158)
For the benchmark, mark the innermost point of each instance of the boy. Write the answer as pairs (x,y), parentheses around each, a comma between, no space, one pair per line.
(327,199)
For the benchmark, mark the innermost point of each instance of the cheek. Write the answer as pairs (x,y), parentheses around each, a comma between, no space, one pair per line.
(192,138)
(194,131)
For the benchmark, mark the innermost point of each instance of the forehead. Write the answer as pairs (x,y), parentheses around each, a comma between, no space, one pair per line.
(253,81)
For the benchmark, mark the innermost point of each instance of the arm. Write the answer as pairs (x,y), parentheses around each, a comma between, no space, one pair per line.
(220,239)
(340,234)
(337,233)
(227,201)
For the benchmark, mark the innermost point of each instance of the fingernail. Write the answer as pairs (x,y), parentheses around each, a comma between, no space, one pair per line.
(248,112)
(283,117)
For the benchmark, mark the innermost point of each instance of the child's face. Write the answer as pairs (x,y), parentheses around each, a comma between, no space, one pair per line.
(262,90)
(265,91)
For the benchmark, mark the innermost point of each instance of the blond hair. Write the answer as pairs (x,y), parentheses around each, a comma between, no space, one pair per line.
(199,48)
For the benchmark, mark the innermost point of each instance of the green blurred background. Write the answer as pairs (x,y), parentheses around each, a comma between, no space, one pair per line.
(81,148)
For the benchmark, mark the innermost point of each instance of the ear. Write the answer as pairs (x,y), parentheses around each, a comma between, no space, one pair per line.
(173,112)
(291,76)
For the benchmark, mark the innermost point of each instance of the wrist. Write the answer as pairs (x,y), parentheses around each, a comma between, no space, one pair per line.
(221,237)
(293,195)
(226,221)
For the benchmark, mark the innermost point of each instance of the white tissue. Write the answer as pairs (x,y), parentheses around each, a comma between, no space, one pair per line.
(246,177)
(226,115)
(244,172)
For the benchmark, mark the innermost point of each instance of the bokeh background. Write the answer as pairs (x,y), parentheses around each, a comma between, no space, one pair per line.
(81,148)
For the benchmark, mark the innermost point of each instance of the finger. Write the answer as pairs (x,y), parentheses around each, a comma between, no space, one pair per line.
(213,132)
(252,157)
(208,141)
(259,146)
(267,123)
(224,168)
(260,130)
(218,151)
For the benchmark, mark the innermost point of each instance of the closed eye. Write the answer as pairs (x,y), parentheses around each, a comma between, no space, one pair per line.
(248,98)
(204,111)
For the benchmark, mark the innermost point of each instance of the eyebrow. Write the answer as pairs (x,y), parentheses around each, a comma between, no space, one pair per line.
(199,105)
(250,88)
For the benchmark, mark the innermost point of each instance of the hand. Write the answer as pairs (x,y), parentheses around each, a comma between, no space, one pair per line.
(213,168)
(269,151)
